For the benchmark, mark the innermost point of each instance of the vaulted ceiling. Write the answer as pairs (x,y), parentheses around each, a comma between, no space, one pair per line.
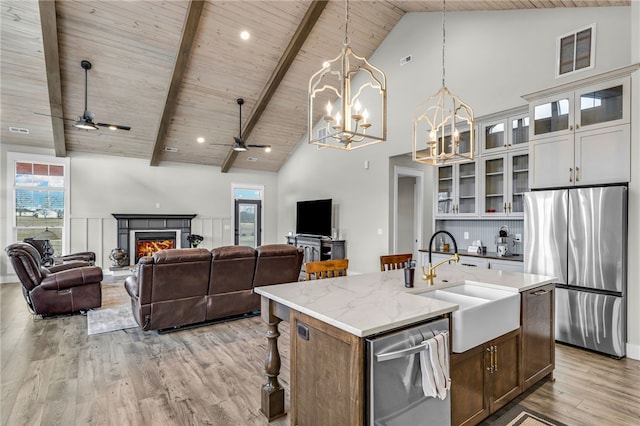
(172,70)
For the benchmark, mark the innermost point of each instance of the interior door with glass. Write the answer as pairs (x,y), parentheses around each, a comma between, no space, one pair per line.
(248,222)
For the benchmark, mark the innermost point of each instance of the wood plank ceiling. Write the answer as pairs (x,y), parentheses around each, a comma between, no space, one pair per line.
(173,70)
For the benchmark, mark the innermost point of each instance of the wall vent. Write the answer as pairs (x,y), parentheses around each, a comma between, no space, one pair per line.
(576,51)
(19,130)
(170,149)
(406,60)
(252,159)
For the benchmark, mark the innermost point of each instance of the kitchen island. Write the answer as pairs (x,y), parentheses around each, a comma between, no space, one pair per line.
(346,310)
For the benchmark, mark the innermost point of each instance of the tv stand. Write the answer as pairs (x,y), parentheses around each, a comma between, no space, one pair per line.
(317,247)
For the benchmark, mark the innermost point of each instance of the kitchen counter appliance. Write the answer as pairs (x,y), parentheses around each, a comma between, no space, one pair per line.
(580,236)
(394,391)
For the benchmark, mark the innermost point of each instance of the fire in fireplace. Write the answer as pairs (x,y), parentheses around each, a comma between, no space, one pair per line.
(147,243)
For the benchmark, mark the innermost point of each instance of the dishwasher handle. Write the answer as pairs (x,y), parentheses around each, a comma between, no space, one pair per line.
(401,353)
(405,352)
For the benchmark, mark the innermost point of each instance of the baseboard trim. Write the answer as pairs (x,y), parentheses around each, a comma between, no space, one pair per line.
(9,279)
(633,351)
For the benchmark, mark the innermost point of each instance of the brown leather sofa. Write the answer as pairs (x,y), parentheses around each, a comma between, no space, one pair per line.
(54,290)
(180,287)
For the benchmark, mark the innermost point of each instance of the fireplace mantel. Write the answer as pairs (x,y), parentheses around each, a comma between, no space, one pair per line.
(140,222)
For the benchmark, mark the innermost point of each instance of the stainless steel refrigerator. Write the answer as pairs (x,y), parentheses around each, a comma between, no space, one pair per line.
(580,236)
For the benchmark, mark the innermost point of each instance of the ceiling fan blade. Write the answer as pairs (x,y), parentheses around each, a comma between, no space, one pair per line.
(54,116)
(258,146)
(114,126)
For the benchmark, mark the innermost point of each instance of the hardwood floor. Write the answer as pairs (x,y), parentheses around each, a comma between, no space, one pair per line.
(54,373)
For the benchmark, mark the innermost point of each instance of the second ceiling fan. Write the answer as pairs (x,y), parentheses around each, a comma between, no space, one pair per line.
(240,145)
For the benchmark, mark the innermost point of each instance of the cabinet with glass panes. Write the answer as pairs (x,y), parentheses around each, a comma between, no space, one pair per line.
(502,134)
(569,130)
(457,191)
(506,179)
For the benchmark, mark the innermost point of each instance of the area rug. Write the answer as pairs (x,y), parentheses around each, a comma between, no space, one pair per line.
(105,320)
(521,416)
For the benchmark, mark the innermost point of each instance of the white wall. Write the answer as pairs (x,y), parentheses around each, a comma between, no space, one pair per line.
(633,283)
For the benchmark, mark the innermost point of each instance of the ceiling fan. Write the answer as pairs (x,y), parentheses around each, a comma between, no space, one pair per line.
(239,144)
(85,121)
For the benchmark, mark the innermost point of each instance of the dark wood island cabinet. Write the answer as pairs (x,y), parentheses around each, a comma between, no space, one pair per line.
(330,320)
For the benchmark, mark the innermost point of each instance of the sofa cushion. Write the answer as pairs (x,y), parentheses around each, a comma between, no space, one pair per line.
(277,264)
(232,269)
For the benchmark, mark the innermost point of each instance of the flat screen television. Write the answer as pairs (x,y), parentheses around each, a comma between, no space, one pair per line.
(314,217)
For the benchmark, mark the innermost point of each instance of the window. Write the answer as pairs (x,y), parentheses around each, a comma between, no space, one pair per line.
(39,197)
(576,51)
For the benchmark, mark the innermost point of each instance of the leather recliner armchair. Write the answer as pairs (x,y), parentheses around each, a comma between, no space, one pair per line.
(55,290)
(46,254)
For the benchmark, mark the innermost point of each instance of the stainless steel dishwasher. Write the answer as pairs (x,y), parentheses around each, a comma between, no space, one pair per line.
(394,387)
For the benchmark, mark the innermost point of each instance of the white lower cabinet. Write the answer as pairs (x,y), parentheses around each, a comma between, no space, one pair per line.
(476,262)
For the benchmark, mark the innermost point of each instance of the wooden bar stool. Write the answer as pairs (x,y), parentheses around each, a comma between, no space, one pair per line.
(326,269)
(394,261)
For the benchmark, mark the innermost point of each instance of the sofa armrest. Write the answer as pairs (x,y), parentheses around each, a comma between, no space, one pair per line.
(64,266)
(131,285)
(72,278)
(87,256)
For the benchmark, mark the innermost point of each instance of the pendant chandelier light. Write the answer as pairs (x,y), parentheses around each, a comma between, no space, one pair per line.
(438,123)
(342,95)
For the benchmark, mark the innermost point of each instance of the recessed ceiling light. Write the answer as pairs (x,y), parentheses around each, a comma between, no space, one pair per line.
(267,149)
(200,139)
(245,35)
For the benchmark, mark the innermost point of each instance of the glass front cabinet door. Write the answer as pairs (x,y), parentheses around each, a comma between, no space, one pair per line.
(506,179)
(457,191)
(505,133)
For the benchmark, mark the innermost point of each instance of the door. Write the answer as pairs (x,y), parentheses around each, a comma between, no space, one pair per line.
(545,229)
(248,222)
(408,202)
(597,231)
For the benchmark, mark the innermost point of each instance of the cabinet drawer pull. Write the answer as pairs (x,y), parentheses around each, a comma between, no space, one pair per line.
(571,127)
(495,358)
(504,208)
(570,174)
(540,292)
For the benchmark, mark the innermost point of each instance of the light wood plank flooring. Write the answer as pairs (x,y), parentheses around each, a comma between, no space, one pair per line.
(53,373)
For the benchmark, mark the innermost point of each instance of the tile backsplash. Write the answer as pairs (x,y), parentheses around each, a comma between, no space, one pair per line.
(483,230)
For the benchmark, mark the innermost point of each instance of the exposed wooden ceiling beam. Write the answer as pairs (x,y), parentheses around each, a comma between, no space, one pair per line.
(297,41)
(52,66)
(179,67)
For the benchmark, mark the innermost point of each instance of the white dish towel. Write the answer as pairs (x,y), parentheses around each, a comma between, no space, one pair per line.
(434,365)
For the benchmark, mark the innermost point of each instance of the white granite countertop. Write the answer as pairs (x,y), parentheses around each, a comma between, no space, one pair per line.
(367,304)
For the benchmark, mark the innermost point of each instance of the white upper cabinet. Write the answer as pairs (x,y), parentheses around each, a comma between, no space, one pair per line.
(581,137)
(504,134)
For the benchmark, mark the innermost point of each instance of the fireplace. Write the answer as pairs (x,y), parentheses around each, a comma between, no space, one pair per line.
(145,243)
(143,234)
